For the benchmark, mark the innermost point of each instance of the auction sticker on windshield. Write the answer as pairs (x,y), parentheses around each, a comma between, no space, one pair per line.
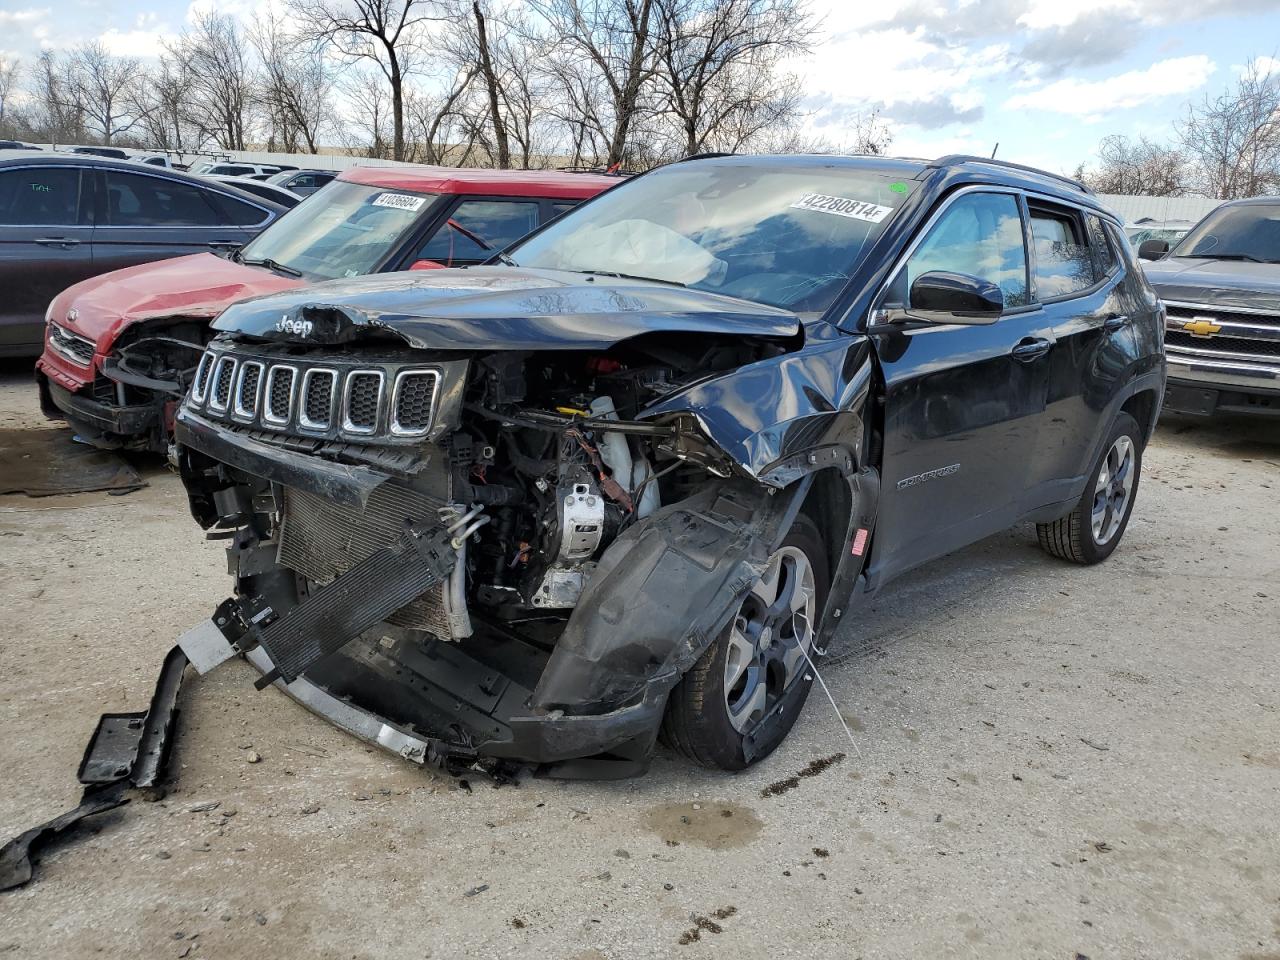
(400,201)
(843,207)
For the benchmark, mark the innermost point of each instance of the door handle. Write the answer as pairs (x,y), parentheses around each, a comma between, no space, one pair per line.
(1114,322)
(66,243)
(1030,348)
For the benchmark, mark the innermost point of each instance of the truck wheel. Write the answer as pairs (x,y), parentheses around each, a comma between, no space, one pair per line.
(1090,532)
(721,714)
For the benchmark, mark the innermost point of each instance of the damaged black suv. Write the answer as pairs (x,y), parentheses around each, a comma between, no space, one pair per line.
(629,478)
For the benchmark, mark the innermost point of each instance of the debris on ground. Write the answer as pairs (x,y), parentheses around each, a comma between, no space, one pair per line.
(814,768)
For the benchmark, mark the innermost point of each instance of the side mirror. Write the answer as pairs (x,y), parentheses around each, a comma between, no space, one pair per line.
(1152,249)
(942,297)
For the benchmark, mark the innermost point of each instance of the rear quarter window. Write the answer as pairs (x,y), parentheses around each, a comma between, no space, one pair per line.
(1063,258)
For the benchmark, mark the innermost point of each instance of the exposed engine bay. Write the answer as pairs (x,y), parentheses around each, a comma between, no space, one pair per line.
(519,471)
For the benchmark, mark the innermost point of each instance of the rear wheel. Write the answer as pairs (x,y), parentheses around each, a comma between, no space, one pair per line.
(1091,532)
(742,697)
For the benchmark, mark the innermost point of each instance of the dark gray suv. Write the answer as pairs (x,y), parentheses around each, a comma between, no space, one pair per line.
(66,218)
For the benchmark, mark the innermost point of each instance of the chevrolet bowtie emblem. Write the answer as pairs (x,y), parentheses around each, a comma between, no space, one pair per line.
(1201,327)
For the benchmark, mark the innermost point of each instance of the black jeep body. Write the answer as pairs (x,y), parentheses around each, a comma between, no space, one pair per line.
(637,474)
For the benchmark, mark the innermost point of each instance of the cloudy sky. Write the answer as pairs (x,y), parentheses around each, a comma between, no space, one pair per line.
(1046,79)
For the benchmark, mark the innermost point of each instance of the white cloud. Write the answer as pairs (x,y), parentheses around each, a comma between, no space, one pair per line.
(146,39)
(30,15)
(1091,99)
(1042,14)
(135,43)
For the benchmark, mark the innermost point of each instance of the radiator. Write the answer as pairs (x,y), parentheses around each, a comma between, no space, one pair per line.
(321,540)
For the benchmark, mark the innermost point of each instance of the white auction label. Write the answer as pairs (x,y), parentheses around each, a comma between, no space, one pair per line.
(843,207)
(401,201)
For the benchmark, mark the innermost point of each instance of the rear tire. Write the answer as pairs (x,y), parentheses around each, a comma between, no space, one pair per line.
(710,712)
(1090,532)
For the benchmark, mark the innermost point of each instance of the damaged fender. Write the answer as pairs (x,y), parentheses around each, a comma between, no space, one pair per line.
(661,594)
(767,414)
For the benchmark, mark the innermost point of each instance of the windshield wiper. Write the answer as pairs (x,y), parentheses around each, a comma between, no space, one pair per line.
(1226,256)
(503,258)
(272,265)
(632,276)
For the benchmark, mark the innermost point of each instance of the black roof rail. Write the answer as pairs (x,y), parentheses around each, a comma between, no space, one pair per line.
(707,156)
(1009,165)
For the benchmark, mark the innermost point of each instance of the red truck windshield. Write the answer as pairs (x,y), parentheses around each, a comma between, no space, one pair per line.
(344,230)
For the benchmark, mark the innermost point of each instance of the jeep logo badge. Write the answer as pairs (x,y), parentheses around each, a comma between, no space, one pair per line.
(299,328)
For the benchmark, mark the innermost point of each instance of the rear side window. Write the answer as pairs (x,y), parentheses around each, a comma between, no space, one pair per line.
(40,196)
(141,201)
(979,235)
(1104,254)
(1063,260)
(562,206)
(479,228)
(238,212)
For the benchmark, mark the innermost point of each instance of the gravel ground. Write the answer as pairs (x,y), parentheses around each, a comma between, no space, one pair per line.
(1049,761)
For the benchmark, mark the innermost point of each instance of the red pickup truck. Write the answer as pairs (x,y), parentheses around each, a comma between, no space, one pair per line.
(121,348)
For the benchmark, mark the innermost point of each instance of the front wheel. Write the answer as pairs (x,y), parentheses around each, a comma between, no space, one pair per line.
(1090,533)
(742,697)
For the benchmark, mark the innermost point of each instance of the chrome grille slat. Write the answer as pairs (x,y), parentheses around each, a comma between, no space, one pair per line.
(315,404)
(413,402)
(223,374)
(362,399)
(200,385)
(281,380)
(246,393)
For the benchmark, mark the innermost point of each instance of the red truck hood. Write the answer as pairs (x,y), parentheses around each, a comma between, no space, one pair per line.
(201,285)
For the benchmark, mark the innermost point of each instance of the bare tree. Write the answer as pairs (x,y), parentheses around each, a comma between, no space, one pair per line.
(431,118)
(719,60)
(367,129)
(10,70)
(59,113)
(386,32)
(1141,167)
(297,85)
(216,53)
(160,102)
(611,41)
(103,85)
(1233,139)
(491,86)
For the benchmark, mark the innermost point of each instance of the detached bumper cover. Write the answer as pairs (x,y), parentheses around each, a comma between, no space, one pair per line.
(126,750)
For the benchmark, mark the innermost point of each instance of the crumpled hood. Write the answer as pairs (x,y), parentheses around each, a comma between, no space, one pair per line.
(507,308)
(200,285)
(1223,283)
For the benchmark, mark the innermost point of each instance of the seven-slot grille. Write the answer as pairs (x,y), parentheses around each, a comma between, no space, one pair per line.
(73,347)
(328,397)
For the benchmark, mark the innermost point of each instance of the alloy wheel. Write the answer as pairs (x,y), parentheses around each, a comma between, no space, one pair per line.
(1112,492)
(770,638)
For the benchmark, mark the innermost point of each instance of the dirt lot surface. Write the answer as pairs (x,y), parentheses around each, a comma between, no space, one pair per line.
(1050,761)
